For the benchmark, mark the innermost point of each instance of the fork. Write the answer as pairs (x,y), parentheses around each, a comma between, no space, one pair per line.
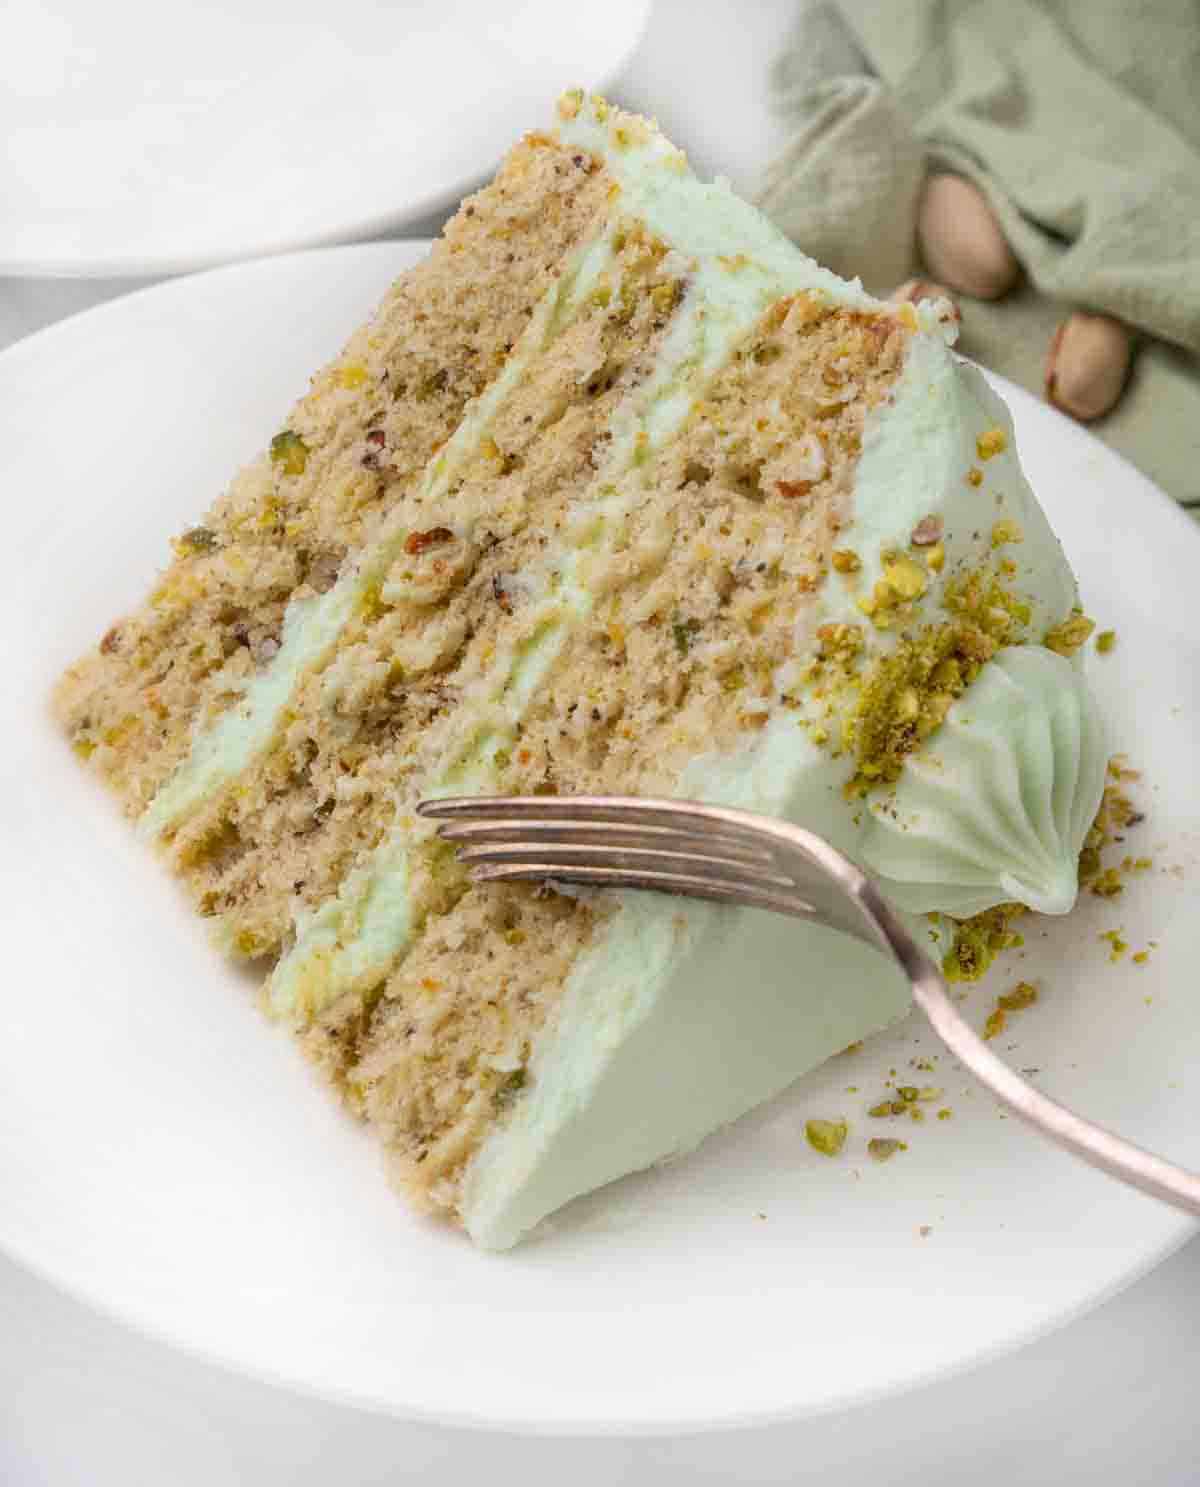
(733,856)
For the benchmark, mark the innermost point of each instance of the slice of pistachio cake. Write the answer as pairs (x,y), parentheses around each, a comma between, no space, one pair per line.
(617,492)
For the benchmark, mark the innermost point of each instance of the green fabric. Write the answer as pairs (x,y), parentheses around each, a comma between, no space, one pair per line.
(1080,119)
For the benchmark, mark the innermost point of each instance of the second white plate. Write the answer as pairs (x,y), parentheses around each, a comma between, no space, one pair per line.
(148,139)
(166,1155)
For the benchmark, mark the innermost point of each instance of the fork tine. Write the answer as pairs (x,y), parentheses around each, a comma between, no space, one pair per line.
(617,809)
(605,834)
(716,889)
(618,855)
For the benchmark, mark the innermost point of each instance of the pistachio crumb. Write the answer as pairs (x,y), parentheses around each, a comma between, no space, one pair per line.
(884,1148)
(1116,942)
(826,1136)
(991,443)
(289,452)
(1006,531)
(1105,641)
(1066,637)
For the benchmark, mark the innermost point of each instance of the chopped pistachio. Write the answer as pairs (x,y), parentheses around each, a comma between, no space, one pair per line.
(990,443)
(826,1136)
(1005,532)
(199,539)
(905,577)
(351,376)
(1066,638)
(1022,995)
(507,1092)
(684,632)
(845,561)
(1117,942)
(927,531)
(289,451)
(1105,641)
(884,1148)
(1108,884)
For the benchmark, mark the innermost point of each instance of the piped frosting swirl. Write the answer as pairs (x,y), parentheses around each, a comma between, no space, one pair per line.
(995,809)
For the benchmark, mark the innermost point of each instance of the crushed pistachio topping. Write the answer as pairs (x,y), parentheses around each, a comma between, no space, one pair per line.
(684,632)
(978,941)
(290,452)
(927,531)
(975,476)
(883,1148)
(1107,884)
(907,1101)
(845,561)
(570,103)
(1116,942)
(1005,532)
(826,1136)
(1105,641)
(991,443)
(908,693)
(1116,815)
(1023,995)
(1066,638)
(198,539)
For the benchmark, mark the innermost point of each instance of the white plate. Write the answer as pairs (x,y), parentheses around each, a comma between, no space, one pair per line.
(166,1155)
(149,139)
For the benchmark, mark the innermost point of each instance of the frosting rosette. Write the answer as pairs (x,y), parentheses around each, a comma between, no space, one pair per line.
(997,807)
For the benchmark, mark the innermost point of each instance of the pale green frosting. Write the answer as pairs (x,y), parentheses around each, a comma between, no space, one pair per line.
(997,807)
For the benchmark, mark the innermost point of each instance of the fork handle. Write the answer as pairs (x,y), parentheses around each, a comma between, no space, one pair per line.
(1095,1144)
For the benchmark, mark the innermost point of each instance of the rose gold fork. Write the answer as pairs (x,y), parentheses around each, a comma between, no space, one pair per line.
(705,851)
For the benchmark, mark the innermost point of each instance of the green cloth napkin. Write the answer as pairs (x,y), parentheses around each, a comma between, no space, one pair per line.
(1080,119)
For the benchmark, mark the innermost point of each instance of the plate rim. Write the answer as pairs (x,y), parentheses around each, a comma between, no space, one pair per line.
(1175,1235)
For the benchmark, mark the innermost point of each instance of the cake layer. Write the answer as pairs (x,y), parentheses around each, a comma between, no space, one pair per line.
(461,593)
(354,445)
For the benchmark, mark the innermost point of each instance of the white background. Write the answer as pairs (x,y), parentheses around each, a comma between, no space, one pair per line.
(1109,1399)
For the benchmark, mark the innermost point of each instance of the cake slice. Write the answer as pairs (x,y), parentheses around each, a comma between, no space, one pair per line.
(618,492)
